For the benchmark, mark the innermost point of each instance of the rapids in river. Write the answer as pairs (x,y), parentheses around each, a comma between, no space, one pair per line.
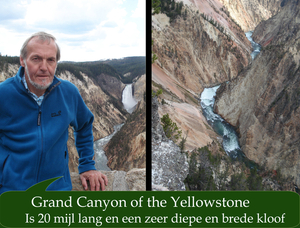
(256,47)
(100,157)
(220,126)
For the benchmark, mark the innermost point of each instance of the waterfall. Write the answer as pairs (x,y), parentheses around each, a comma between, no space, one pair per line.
(128,100)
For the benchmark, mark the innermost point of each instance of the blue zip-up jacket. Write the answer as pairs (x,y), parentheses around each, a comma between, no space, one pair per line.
(33,138)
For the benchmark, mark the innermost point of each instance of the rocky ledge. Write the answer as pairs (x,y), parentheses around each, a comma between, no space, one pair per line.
(133,180)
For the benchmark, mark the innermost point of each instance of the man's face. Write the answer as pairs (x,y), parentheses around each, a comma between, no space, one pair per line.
(40,65)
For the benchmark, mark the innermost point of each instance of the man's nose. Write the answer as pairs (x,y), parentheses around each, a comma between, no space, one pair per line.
(43,65)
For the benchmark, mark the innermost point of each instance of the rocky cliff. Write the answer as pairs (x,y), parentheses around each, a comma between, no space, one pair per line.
(139,88)
(169,165)
(263,102)
(11,70)
(205,168)
(281,27)
(200,49)
(248,14)
(111,85)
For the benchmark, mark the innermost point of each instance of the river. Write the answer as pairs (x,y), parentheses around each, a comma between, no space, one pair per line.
(100,157)
(221,127)
(256,47)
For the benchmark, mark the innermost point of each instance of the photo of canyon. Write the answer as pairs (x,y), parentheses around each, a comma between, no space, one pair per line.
(225,95)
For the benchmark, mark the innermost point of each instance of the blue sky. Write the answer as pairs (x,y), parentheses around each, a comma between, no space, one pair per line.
(86,30)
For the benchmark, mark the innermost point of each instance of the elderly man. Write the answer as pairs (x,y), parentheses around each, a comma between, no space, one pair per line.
(35,113)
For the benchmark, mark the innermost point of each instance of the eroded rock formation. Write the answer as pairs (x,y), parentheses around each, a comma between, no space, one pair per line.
(111,85)
(12,69)
(139,88)
(248,14)
(206,47)
(201,49)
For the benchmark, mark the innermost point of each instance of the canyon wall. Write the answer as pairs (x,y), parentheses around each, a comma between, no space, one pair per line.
(127,148)
(200,49)
(12,69)
(110,85)
(263,102)
(204,47)
(248,14)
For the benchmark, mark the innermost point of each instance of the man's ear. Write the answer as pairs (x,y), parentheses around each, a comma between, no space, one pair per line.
(22,62)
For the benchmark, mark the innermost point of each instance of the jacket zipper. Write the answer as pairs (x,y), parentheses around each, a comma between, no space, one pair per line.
(41,131)
(41,154)
(39,116)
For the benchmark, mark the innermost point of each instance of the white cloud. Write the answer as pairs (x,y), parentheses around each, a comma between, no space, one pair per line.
(85,30)
(17,13)
(69,16)
(140,11)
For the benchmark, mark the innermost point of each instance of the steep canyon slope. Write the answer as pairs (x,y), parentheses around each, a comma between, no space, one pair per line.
(199,49)
(169,165)
(263,102)
(248,14)
(202,48)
